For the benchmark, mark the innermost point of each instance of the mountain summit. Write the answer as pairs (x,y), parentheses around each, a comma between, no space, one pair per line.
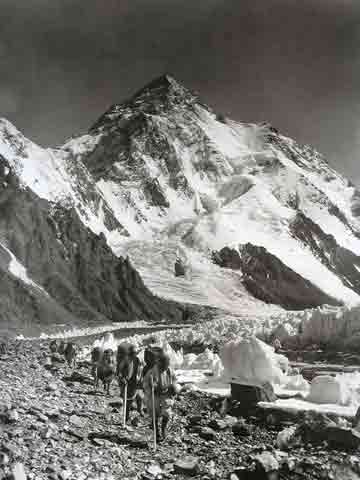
(158,96)
(164,203)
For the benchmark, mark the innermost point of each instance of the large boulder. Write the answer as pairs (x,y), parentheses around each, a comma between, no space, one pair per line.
(317,428)
(267,463)
(250,395)
(187,466)
(341,437)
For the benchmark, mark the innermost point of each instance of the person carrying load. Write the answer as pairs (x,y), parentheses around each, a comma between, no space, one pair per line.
(134,382)
(152,353)
(160,389)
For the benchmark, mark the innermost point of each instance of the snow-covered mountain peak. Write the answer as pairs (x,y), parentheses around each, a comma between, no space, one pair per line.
(158,97)
(165,85)
(253,216)
(174,171)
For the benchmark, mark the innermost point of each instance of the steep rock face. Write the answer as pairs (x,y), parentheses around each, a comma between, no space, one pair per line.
(155,193)
(270,280)
(340,260)
(28,310)
(68,266)
(228,258)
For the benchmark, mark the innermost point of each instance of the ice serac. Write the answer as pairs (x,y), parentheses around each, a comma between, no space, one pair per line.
(331,326)
(250,361)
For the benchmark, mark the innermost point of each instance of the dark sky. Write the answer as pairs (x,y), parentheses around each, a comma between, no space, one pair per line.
(294,63)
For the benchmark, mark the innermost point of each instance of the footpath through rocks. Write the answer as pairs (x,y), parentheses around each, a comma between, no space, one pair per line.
(54,425)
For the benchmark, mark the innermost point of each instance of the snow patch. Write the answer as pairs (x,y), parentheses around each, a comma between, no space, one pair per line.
(298,405)
(19,271)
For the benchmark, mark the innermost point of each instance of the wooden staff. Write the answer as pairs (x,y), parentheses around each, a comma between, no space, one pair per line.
(153,410)
(125,404)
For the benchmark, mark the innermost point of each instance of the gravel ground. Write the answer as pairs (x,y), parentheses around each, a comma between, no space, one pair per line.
(55,424)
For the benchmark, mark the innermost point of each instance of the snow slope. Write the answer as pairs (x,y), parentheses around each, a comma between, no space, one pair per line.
(53,176)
